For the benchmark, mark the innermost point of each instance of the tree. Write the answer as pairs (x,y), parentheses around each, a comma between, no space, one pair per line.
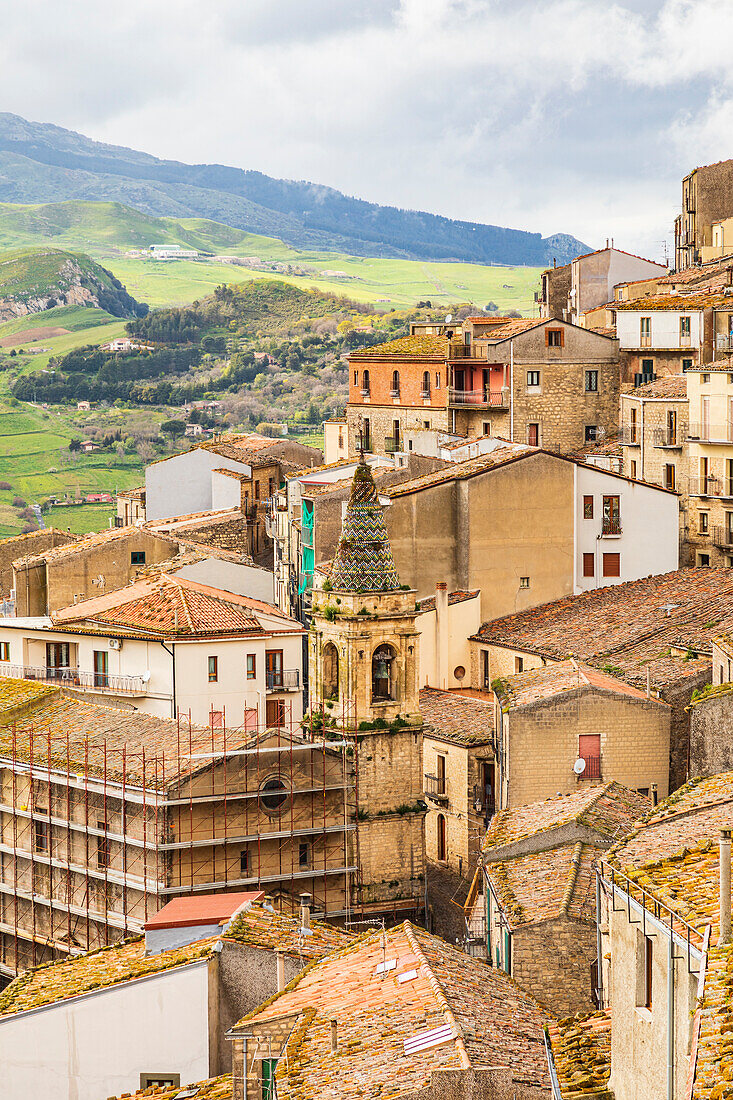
(74,444)
(173,427)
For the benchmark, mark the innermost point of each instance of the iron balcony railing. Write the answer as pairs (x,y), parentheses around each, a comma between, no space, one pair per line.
(592,768)
(285,680)
(712,433)
(629,436)
(494,399)
(365,391)
(709,487)
(667,437)
(723,342)
(75,677)
(392,444)
(611,525)
(394,393)
(723,537)
(435,786)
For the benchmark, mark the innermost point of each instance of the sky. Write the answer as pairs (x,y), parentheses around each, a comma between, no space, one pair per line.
(572,116)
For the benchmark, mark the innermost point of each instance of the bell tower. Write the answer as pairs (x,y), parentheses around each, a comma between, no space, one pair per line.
(363,659)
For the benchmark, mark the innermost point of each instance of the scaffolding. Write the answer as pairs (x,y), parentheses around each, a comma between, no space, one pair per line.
(98,833)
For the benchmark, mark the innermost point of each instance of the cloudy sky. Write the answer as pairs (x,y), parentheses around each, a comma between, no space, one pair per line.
(576,116)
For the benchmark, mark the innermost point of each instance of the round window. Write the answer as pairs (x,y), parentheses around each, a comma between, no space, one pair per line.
(459,672)
(273,793)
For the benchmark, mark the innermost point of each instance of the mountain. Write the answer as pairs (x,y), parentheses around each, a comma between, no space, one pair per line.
(37,279)
(42,163)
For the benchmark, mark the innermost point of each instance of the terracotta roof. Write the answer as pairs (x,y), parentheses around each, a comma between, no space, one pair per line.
(164,605)
(581,1050)
(714,1057)
(462,719)
(259,926)
(698,272)
(459,596)
(673,386)
(539,684)
(514,327)
(608,809)
(541,886)
(611,248)
(419,346)
(459,471)
(135,494)
(679,303)
(722,365)
(214,1088)
(196,909)
(654,623)
(489,1021)
(30,536)
(58,554)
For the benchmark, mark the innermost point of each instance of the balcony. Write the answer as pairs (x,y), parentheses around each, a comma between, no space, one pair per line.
(710,487)
(712,433)
(611,526)
(484,399)
(629,436)
(365,392)
(106,682)
(425,394)
(592,768)
(284,680)
(394,394)
(723,537)
(392,444)
(468,351)
(669,439)
(723,342)
(435,787)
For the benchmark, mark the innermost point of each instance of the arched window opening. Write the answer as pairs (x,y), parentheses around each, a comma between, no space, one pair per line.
(384,673)
(365,382)
(441,837)
(330,671)
(426,383)
(395,383)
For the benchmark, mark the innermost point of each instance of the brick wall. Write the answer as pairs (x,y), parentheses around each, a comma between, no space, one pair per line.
(392,857)
(552,962)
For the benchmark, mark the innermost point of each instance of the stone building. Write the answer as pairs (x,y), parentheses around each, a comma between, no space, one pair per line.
(24,546)
(590,280)
(710,526)
(400,1013)
(654,428)
(542,382)
(536,899)
(707,197)
(130,507)
(363,677)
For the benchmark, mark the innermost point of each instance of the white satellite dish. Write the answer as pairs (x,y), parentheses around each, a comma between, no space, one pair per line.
(579,766)
(449,318)
(145,677)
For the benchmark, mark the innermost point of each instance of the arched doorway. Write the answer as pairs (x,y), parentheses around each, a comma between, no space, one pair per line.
(330,671)
(384,673)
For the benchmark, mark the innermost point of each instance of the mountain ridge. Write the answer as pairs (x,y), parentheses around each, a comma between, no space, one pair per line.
(43,163)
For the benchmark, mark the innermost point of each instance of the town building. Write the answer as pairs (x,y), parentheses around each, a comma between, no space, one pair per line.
(130,507)
(654,428)
(655,634)
(664,334)
(204,961)
(707,198)
(168,645)
(335,440)
(445,622)
(525,526)
(542,382)
(560,726)
(710,450)
(22,546)
(363,675)
(663,897)
(400,1013)
(533,912)
(589,280)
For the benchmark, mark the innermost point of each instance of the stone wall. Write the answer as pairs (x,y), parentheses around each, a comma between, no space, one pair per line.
(552,962)
(21,546)
(446,892)
(392,858)
(711,735)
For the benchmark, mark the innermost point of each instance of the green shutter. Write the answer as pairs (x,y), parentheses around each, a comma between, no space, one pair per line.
(268,1078)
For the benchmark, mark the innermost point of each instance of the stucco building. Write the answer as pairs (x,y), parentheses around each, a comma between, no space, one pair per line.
(589,280)
(710,532)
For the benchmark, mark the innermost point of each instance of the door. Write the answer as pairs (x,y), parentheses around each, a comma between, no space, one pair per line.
(460,379)
(101,668)
(487,769)
(58,659)
(274,669)
(704,417)
(671,429)
(275,713)
(533,435)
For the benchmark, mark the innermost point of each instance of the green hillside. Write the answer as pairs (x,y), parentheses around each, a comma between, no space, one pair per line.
(42,277)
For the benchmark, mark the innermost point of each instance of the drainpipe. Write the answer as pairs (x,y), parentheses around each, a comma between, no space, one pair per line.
(641,437)
(725,926)
(511,390)
(670,1018)
(172,652)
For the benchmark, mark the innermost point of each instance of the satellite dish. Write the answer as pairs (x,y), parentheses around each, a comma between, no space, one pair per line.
(449,318)
(579,766)
(145,677)
(600,432)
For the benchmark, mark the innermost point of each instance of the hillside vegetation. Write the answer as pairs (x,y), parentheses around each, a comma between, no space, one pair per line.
(44,163)
(37,279)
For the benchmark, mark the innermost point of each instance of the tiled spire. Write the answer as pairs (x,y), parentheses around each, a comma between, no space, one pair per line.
(363,561)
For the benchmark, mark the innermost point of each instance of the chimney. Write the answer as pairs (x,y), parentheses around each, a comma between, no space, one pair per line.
(441,633)
(725,932)
(280,960)
(334,1036)
(305,910)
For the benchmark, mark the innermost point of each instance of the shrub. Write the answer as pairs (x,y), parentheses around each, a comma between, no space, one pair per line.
(5,485)
(18,502)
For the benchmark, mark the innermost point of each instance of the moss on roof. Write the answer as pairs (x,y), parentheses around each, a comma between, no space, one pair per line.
(418,346)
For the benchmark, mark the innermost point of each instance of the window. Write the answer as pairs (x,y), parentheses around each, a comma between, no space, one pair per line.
(589,749)
(704,377)
(40,830)
(4,651)
(685,328)
(273,793)
(633,467)
(251,666)
(257,490)
(533,435)
(518,665)
(270,486)
(533,378)
(330,671)
(275,714)
(268,1078)
(611,565)
(395,383)
(485,668)
(669,476)
(644,970)
(591,433)
(304,854)
(101,668)
(244,862)
(383,673)
(102,846)
(703,522)
(425,392)
(632,425)
(137,557)
(437,379)
(524,582)
(441,837)
(159,1080)
(213,669)
(58,656)
(487,427)
(703,560)
(647,366)
(588,507)
(645,331)
(365,384)
(611,515)
(591,381)
(554,338)
(366,434)
(589,568)
(274,679)
(686,365)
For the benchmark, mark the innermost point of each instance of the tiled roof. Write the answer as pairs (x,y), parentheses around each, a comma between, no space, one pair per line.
(608,809)
(492,1023)
(459,471)
(168,606)
(428,604)
(539,684)
(625,629)
(679,303)
(541,886)
(31,536)
(697,273)
(722,365)
(673,386)
(259,927)
(462,719)
(714,1055)
(214,1088)
(581,1049)
(58,554)
(191,910)
(363,560)
(419,346)
(15,694)
(514,327)
(137,493)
